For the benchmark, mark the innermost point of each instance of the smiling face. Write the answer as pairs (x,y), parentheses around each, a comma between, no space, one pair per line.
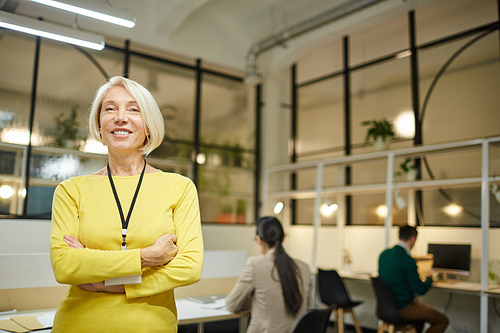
(121,125)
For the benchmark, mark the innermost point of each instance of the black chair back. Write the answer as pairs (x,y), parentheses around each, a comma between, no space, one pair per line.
(332,289)
(313,321)
(386,309)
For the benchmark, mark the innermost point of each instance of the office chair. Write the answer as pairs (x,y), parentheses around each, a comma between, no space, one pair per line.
(332,291)
(387,311)
(313,321)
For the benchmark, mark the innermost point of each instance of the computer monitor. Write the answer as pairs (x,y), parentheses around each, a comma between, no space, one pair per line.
(450,259)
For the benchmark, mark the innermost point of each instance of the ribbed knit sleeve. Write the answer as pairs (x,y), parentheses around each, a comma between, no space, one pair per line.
(77,266)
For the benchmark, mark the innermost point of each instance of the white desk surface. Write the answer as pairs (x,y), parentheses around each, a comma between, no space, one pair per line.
(188,312)
(455,286)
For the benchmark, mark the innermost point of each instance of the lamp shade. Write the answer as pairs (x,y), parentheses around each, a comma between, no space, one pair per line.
(51,31)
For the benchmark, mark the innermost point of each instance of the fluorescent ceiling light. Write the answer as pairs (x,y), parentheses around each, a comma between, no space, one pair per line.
(126,20)
(51,31)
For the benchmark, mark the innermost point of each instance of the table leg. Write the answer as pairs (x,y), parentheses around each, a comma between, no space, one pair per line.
(200,327)
(243,324)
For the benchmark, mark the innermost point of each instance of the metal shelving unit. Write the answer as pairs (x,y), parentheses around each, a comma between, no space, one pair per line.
(319,191)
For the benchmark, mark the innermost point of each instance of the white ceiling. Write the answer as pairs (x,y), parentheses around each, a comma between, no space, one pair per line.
(218,31)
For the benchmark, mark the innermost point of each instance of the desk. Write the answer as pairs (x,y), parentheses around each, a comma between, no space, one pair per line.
(188,312)
(456,286)
(494,291)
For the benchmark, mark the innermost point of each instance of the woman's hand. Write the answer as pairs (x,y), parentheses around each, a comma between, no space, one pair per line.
(163,250)
(100,286)
(73,242)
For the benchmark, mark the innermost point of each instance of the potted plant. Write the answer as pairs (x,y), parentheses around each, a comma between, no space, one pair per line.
(225,215)
(494,271)
(381,131)
(241,209)
(408,168)
(67,129)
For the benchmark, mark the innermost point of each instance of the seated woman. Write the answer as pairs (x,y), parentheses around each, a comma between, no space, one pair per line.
(274,286)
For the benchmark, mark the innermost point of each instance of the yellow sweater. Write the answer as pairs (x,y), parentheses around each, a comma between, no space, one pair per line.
(85,207)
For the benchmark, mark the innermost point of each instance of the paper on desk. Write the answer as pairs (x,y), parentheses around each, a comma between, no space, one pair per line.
(10,325)
(217,304)
(30,322)
(131,279)
(46,320)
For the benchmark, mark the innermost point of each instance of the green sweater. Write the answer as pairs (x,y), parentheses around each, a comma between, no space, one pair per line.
(399,272)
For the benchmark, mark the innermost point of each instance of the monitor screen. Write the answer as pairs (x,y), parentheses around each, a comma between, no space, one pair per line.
(451,258)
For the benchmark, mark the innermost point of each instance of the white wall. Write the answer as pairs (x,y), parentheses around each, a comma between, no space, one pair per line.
(24,242)
(25,262)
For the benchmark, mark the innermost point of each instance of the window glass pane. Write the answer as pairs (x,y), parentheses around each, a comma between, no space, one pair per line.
(62,100)
(369,172)
(441,18)
(226,195)
(465,96)
(451,165)
(174,89)
(457,206)
(305,211)
(61,115)
(225,105)
(320,61)
(373,42)
(380,91)
(16,74)
(370,209)
(320,125)
(226,158)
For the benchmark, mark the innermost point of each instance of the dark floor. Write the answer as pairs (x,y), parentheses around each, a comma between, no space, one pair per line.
(232,326)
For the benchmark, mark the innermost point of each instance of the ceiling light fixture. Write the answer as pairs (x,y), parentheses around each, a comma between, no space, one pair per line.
(123,18)
(327,208)
(51,31)
(399,200)
(453,209)
(278,207)
(496,192)
(381,211)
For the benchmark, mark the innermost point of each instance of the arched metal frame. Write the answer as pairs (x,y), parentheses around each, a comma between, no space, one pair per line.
(483,31)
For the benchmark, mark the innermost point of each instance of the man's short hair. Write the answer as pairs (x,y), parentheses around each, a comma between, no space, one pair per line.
(406,232)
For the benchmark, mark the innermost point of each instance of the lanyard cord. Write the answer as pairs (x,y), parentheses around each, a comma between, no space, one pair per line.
(125,221)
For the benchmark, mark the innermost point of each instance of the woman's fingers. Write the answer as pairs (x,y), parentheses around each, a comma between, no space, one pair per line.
(163,250)
(73,242)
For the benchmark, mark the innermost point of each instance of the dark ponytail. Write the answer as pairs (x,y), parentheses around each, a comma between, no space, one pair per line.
(270,231)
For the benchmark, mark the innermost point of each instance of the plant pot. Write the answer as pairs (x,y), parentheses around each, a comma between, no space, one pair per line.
(380,144)
(227,218)
(411,175)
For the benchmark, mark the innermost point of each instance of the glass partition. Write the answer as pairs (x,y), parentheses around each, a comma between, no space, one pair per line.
(60,147)
(380,91)
(174,89)
(320,124)
(466,88)
(226,158)
(17,54)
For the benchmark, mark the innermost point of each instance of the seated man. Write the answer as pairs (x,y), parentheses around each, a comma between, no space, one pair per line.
(398,270)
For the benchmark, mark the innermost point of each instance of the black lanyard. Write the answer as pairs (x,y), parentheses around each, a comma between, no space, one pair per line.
(125,222)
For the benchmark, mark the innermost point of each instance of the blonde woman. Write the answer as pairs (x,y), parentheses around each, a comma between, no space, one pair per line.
(125,236)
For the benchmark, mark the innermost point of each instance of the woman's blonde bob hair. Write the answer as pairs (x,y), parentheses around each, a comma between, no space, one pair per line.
(151,114)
